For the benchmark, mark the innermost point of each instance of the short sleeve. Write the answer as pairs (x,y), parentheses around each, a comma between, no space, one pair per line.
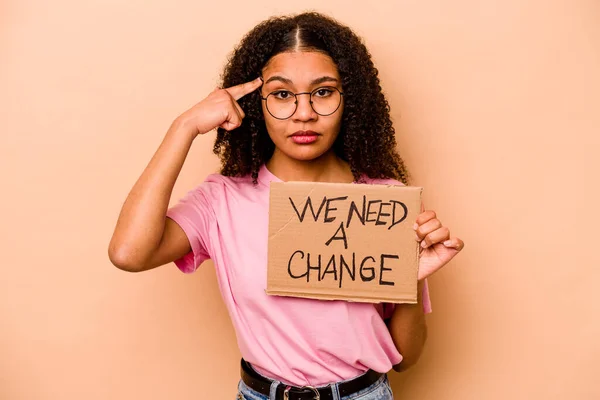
(387,309)
(194,214)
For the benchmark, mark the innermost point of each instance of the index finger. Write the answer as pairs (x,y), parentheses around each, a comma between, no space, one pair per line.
(424,217)
(239,91)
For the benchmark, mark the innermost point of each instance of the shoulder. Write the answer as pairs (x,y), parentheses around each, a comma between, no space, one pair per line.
(380,181)
(219,180)
(215,186)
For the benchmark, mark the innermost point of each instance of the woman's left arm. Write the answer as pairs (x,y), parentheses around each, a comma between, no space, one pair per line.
(409,330)
(407,325)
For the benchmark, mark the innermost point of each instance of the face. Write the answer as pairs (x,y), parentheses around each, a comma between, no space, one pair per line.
(305,135)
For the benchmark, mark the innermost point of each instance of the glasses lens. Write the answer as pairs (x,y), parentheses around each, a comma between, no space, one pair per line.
(281,104)
(326,100)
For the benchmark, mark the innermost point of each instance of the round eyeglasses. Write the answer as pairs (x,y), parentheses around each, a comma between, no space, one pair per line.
(282,104)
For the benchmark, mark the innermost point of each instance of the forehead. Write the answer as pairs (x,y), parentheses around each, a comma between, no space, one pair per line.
(301,66)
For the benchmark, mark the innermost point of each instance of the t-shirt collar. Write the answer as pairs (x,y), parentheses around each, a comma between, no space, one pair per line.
(266,177)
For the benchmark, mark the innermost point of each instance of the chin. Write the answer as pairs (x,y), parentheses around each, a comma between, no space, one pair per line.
(306,153)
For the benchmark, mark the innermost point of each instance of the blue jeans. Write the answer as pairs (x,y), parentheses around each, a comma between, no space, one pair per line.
(380,390)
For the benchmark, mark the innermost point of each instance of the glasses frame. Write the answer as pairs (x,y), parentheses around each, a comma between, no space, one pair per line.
(310,101)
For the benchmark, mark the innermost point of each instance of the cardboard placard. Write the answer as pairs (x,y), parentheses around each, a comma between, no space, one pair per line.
(343,241)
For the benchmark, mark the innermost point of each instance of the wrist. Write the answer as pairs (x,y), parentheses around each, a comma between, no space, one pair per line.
(184,126)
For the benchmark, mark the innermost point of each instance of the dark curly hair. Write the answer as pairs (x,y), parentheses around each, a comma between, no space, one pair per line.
(366,139)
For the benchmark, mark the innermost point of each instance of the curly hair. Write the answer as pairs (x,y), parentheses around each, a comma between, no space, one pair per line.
(366,139)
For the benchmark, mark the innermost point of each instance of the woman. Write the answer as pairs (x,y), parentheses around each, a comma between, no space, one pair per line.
(301,101)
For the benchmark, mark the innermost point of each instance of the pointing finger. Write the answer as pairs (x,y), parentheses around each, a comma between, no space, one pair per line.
(239,91)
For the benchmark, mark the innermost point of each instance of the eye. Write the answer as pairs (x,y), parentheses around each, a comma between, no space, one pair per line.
(282,94)
(323,92)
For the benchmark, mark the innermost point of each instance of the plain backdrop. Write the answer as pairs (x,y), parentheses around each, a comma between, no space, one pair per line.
(497,110)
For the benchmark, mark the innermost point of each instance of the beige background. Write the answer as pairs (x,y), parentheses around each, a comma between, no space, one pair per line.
(497,105)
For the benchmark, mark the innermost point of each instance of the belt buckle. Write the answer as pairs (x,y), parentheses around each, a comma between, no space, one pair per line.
(286,392)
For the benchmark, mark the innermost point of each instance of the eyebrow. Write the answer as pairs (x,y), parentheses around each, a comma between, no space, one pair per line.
(314,82)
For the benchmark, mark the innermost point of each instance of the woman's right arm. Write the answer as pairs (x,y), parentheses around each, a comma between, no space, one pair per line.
(144,238)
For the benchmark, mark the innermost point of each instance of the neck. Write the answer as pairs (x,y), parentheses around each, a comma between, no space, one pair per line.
(327,168)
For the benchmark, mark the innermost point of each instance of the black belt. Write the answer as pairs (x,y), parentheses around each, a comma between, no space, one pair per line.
(257,382)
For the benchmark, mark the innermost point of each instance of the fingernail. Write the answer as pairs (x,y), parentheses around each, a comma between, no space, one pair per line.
(415,226)
(423,244)
(417,238)
(447,243)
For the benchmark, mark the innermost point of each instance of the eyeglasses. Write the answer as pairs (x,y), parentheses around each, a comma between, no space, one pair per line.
(282,104)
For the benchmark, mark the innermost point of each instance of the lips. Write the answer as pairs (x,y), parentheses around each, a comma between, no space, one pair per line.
(304,137)
(305,133)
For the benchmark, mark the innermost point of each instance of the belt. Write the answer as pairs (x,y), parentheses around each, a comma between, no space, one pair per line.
(259,383)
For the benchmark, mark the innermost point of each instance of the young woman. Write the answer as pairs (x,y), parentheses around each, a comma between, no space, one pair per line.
(301,102)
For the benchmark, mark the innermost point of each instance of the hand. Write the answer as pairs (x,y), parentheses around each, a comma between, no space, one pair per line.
(436,248)
(219,109)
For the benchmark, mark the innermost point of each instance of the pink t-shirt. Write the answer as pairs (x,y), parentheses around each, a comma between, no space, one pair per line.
(293,340)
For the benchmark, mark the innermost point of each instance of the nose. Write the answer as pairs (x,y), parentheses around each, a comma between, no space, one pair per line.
(304,110)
